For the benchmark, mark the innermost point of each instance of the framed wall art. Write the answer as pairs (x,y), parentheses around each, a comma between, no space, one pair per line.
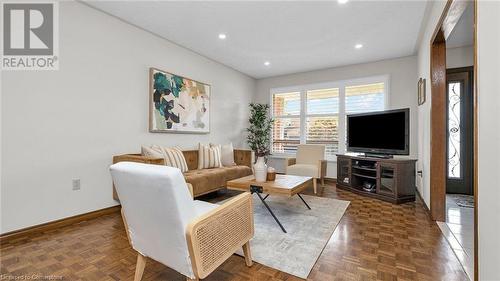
(421,91)
(178,104)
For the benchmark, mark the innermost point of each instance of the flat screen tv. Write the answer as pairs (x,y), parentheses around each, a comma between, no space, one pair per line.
(383,132)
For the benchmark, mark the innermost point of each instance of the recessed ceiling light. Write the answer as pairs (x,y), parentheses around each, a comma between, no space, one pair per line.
(266,63)
(358,46)
(222,36)
(342,1)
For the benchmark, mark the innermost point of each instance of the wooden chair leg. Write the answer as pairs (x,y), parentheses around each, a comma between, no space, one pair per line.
(323,181)
(247,253)
(315,186)
(139,267)
(126,227)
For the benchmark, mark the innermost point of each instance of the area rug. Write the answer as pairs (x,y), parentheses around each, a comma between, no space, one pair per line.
(308,231)
(466,201)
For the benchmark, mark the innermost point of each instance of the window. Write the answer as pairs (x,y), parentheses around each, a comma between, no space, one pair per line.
(316,114)
(322,118)
(286,130)
(364,98)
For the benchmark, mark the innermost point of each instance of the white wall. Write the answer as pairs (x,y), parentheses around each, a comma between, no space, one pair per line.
(488,139)
(403,87)
(67,124)
(460,57)
(423,183)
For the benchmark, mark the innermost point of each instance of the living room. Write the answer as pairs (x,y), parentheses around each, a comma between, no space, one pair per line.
(102,95)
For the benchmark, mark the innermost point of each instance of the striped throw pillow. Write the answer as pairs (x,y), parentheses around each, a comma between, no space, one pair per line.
(209,156)
(174,158)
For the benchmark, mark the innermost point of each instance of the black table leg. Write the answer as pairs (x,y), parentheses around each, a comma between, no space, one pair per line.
(266,196)
(304,201)
(258,190)
(272,214)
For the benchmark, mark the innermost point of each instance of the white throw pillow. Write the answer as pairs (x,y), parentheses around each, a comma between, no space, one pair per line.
(209,157)
(152,152)
(172,157)
(226,154)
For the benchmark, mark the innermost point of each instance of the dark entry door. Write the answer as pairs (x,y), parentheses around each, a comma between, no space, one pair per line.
(459,91)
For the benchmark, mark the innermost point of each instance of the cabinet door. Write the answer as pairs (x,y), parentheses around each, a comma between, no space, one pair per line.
(386,183)
(344,170)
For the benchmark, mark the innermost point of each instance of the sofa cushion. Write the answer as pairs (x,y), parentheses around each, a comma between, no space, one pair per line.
(206,180)
(304,170)
(202,207)
(235,172)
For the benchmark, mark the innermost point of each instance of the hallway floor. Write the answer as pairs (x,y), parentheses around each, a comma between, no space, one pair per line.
(459,231)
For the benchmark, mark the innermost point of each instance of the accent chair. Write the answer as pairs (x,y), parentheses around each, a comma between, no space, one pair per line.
(310,162)
(164,223)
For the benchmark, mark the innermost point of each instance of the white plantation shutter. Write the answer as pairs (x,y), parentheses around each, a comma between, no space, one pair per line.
(316,115)
(286,127)
(322,119)
(364,98)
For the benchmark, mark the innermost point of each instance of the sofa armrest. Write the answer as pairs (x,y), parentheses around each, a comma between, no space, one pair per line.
(138,158)
(243,157)
(232,226)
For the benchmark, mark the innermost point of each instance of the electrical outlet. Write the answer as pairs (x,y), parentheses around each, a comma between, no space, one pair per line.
(76,184)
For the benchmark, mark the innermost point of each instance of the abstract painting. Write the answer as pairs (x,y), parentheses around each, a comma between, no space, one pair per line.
(178,104)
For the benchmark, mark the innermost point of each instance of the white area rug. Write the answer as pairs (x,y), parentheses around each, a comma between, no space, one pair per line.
(308,231)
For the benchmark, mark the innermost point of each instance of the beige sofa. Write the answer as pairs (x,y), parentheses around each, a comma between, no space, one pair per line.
(202,181)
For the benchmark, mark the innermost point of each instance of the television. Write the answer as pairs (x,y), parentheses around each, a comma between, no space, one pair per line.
(379,133)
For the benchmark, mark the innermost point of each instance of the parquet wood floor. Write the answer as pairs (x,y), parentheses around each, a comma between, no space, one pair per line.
(375,240)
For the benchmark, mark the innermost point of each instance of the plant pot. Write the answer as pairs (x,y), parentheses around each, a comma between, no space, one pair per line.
(260,170)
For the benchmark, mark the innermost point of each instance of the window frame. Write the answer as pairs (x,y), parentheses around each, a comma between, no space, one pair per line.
(341,85)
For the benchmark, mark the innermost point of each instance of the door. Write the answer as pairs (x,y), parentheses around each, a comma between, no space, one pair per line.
(343,170)
(386,184)
(459,118)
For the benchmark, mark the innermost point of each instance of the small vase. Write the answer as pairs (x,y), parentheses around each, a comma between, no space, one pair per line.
(260,170)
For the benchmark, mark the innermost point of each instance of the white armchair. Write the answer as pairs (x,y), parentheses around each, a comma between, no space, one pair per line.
(164,223)
(310,162)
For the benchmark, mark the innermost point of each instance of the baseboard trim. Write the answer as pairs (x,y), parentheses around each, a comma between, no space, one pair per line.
(331,180)
(427,210)
(8,236)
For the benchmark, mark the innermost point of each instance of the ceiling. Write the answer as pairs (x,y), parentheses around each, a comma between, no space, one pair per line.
(463,33)
(293,36)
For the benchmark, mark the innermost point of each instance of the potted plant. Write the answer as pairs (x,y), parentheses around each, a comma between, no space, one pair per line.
(259,137)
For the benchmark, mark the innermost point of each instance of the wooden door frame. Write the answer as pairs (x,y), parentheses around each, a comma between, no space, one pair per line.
(451,14)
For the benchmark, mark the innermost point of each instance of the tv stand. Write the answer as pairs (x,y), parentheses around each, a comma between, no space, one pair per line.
(380,156)
(393,179)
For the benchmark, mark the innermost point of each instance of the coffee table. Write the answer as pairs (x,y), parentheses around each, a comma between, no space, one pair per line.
(284,185)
